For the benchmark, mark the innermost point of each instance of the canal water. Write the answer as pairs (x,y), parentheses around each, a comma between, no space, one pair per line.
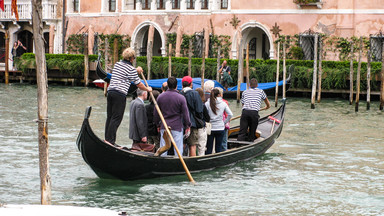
(327,161)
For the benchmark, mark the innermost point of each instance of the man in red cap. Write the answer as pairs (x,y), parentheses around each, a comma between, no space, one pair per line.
(198,136)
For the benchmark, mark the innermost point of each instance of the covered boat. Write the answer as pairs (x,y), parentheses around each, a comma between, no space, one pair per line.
(109,161)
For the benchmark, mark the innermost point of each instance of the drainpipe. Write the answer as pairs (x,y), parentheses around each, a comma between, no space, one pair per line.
(63,27)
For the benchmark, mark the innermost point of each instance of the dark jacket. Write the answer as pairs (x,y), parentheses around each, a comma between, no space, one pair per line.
(195,105)
(152,128)
(138,120)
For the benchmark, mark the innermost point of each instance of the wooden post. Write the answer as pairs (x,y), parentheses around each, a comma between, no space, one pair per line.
(284,68)
(369,80)
(170,60)
(320,70)
(134,63)
(240,70)
(358,76)
(151,33)
(314,83)
(203,65)
(115,51)
(382,78)
(351,76)
(247,66)
(106,54)
(190,58)
(86,60)
(218,64)
(6,57)
(42,95)
(277,74)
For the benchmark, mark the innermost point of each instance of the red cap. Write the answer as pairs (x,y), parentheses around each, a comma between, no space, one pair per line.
(187,79)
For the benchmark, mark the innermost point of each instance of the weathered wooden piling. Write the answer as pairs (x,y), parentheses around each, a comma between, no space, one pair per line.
(190,58)
(277,74)
(86,60)
(320,70)
(106,54)
(351,76)
(115,51)
(42,95)
(6,57)
(382,78)
(247,66)
(218,64)
(203,64)
(369,80)
(151,33)
(314,82)
(240,70)
(284,68)
(170,60)
(134,63)
(358,76)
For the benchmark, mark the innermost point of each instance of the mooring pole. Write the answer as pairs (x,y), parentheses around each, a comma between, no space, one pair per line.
(284,67)
(277,73)
(170,60)
(358,76)
(190,58)
(314,83)
(203,64)
(369,80)
(247,66)
(6,57)
(240,70)
(106,54)
(320,70)
(382,79)
(42,99)
(151,33)
(86,60)
(351,76)
(218,64)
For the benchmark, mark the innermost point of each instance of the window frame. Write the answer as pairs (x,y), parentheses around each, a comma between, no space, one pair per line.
(224,4)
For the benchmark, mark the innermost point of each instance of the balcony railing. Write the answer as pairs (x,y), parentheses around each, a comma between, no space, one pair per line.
(25,11)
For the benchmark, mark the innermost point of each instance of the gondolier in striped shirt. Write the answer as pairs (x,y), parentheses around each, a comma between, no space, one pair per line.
(251,100)
(122,75)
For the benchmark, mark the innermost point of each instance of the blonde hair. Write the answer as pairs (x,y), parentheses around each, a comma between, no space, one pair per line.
(129,53)
(208,86)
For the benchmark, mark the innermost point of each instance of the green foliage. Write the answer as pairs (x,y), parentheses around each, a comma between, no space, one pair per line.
(297,53)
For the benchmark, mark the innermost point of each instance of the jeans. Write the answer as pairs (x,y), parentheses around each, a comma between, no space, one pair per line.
(215,135)
(177,136)
(225,141)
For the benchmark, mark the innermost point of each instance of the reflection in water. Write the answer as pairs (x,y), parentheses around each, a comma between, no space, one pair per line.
(327,161)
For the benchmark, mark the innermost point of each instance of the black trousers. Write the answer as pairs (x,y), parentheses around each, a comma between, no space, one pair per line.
(116,102)
(249,119)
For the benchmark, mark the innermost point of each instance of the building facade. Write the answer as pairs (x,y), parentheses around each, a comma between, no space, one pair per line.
(22,29)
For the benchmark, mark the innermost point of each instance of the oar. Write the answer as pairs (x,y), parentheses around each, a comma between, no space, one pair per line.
(234,118)
(169,133)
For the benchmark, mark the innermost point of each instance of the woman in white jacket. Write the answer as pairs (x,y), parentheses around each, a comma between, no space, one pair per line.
(216,108)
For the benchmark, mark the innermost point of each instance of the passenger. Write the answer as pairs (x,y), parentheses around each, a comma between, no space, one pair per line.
(138,128)
(251,101)
(153,134)
(225,137)
(201,147)
(195,108)
(216,108)
(175,112)
(164,87)
(225,72)
(208,86)
(122,76)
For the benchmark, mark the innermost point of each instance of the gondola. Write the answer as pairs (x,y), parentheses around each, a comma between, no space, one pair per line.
(114,162)
(269,87)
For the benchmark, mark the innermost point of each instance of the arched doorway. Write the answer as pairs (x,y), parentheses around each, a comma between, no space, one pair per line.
(26,38)
(46,42)
(140,39)
(259,39)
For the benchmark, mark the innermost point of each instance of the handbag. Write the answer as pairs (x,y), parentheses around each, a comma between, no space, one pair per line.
(208,127)
(143,147)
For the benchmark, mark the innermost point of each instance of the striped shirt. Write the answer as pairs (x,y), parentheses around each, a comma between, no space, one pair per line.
(252,97)
(122,75)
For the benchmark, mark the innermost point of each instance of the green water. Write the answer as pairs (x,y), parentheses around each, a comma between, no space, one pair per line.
(327,161)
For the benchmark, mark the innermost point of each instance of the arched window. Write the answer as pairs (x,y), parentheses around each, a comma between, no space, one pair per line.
(46,42)
(76,5)
(160,4)
(190,4)
(112,5)
(146,5)
(175,4)
(224,4)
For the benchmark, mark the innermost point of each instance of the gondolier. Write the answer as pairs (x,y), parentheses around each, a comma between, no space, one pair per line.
(122,75)
(251,100)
